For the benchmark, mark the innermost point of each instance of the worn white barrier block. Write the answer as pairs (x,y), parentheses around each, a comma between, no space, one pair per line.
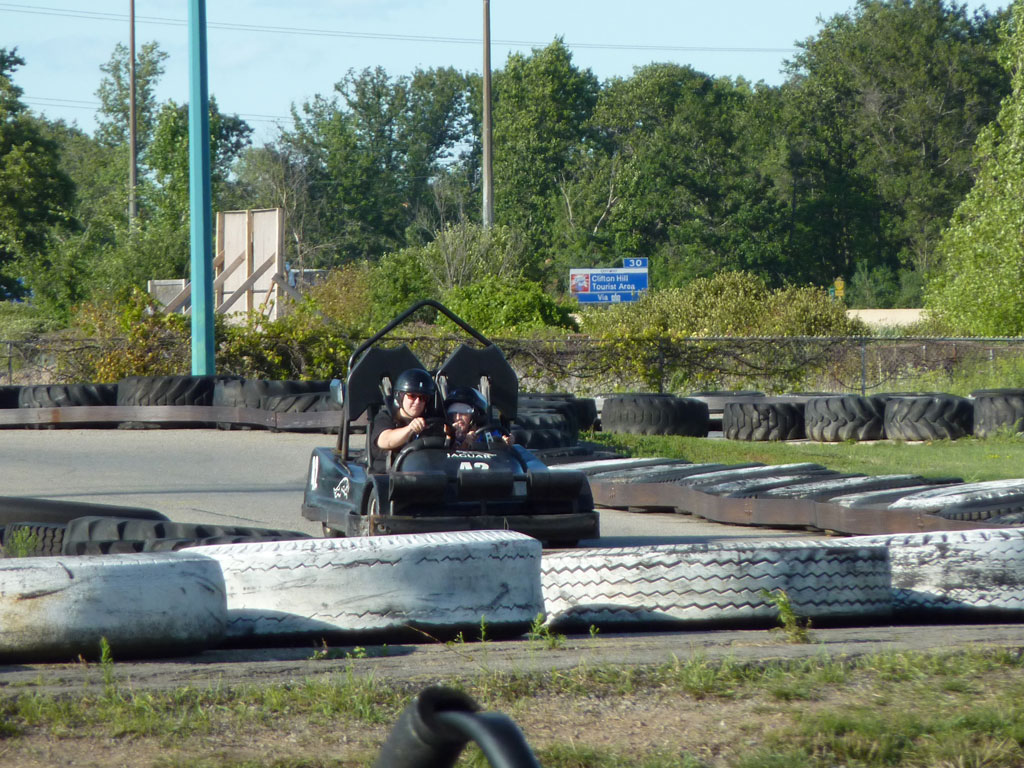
(951,572)
(57,608)
(382,586)
(690,584)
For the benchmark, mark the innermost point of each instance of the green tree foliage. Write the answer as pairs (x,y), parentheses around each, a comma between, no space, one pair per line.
(881,110)
(979,291)
(370,155)
(114,95)
(542,106)
(35,194)
(506,306)
(458,256)
(670,178)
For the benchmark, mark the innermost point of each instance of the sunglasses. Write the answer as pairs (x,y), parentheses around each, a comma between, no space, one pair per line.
(416,396)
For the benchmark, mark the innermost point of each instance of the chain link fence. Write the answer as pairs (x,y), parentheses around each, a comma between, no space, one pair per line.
(587,366)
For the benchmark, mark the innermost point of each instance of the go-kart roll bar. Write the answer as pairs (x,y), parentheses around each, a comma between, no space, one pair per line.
(405,315)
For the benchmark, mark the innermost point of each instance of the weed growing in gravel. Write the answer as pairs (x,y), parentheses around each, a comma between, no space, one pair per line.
(795,628)
(541,633)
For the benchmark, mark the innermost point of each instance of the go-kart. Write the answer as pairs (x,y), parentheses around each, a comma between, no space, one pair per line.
(430,485)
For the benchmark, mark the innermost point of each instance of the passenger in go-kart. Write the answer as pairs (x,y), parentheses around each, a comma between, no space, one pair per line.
(468,426)
(411,416)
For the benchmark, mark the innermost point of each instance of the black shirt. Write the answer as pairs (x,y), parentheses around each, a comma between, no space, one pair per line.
(381,422)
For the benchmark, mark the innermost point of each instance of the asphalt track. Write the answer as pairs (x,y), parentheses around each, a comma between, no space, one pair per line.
(238,477)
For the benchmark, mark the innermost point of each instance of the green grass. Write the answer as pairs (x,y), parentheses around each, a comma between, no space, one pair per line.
(971,459)
(893,709)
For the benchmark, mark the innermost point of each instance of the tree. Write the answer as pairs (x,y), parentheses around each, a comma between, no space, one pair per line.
(372,151)
(35,194)
(978,291)
(882,107)
(542,105)
(671,177)
(114,96)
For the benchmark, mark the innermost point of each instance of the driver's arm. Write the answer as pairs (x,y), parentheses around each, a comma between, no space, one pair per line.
(392,439)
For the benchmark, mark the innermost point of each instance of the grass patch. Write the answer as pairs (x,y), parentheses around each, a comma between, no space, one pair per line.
(895,709)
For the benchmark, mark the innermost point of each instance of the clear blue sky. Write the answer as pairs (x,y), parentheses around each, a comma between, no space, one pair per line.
(265,55)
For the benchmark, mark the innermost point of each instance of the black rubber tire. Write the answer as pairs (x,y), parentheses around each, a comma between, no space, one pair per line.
(49,537)
(166,390)
(763,419)
(985,509)
(928,417)
(9,396)
(998,410)
(65,395)
(304,403)
(125,529)
(838,418)
(553,419)
(584,408)
(653,414)
(18,509)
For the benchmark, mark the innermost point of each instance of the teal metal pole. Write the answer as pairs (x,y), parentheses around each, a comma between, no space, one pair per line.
(203,363)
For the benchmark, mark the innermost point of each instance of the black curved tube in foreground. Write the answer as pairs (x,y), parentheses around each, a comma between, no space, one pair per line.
(436,725)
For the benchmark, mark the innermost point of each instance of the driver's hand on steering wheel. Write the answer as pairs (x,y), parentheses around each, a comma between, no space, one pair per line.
(417,425)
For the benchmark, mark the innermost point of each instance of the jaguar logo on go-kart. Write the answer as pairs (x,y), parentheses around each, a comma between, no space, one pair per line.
(341,490)
(470,455)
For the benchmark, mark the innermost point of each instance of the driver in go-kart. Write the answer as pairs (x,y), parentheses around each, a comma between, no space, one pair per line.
(468,426)
(410,417)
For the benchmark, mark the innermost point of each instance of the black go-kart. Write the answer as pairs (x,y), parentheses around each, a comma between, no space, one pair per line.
(429,485)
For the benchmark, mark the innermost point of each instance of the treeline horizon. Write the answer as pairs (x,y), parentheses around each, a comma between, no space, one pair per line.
(852,168)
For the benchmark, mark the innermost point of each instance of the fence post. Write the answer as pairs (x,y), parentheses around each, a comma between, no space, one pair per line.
(10,362)
(863,367)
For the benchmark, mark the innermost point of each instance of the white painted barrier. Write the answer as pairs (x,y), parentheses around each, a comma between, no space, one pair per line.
(57,608)
(436,583)
(676,585)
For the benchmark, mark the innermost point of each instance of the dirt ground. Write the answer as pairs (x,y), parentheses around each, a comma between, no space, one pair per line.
(637,722)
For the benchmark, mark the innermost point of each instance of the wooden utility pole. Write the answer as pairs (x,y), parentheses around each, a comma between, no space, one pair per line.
(488,178)
(133,162)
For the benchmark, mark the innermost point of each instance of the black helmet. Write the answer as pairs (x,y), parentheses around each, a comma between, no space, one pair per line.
(415,381)
(468,396)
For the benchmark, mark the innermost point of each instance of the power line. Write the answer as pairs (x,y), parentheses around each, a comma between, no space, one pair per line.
(105,16)
(43,101)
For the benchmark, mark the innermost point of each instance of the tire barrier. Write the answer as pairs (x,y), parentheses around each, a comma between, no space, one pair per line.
(107,529)
(997,410)
(955,573)
(404,586)
(928,417)
(690,585)
(836,419)
(67,395)
(967,501)
(652,414)
(40,539)
(166,390)
(57,609)
(826,489)
(21,509)
(763,419)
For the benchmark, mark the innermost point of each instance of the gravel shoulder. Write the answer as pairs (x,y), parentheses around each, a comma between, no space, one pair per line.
(430,663)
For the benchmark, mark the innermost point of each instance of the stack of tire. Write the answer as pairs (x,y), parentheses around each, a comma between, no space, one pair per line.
(42,527)
(288,396)
(905,416)
(552,419)
(654,414)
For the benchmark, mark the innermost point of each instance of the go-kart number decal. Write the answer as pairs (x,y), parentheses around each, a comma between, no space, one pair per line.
(469,465)
(341,489)
(314,470)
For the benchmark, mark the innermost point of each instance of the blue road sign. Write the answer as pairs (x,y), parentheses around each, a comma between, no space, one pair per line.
(598,286)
